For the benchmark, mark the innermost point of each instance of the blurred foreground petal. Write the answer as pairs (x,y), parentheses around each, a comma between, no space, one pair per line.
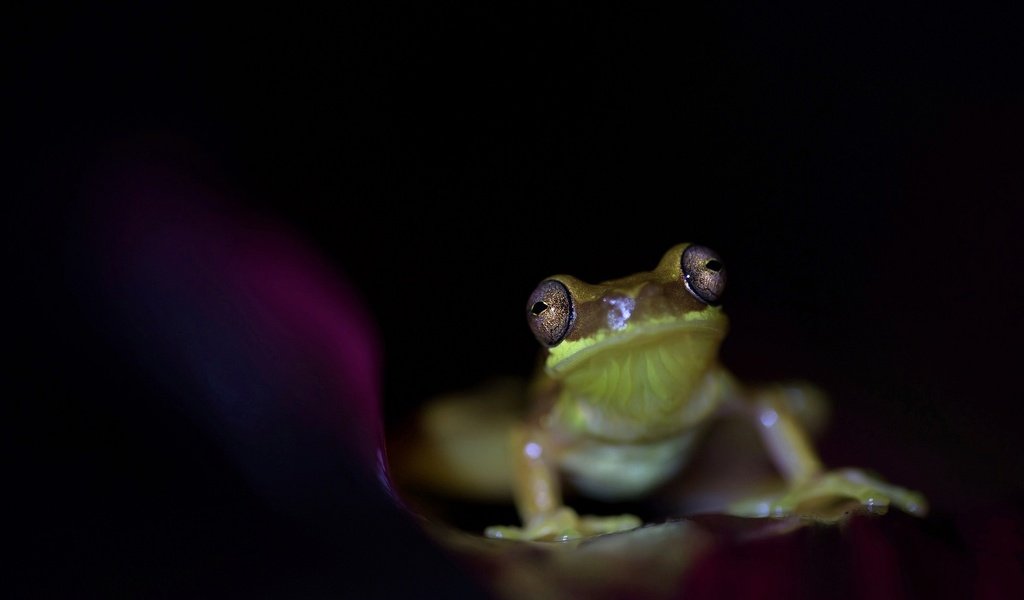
(255,337)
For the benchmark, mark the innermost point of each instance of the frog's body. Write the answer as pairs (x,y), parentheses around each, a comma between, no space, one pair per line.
(629,382)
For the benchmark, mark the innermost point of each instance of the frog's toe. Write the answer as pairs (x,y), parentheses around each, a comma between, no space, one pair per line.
(563,525)
(908,501)
(559,525)
(506,532)
(848,484)
(758,507)
(599,525)
(912,503)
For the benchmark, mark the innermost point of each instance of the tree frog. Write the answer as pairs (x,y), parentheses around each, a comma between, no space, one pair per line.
(630,380)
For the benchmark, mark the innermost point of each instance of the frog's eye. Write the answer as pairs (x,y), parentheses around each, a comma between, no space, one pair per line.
(550,312)
(703,273)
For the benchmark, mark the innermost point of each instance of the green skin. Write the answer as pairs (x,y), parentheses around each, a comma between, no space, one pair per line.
(625,393)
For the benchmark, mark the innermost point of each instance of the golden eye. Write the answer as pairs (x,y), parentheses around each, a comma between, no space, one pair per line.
(550,312)
(703,273)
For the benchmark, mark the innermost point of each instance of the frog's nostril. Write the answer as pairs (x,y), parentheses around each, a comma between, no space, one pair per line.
(538,308)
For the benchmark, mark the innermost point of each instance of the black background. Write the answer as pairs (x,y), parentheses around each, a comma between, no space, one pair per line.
(859,168)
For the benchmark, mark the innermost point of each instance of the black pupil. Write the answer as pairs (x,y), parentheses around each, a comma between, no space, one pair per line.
(538,308)
(713,265)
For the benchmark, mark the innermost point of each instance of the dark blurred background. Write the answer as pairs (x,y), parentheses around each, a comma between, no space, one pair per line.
(859,168)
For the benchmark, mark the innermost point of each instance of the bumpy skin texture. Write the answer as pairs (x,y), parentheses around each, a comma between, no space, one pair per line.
(630,380)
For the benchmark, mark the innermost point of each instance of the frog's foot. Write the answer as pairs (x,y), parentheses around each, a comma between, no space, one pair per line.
(832,496)
(562,525)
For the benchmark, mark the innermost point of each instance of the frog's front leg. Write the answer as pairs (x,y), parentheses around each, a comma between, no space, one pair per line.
(538,497)
(812,491)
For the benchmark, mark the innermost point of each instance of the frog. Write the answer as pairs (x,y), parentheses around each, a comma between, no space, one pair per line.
(629,382)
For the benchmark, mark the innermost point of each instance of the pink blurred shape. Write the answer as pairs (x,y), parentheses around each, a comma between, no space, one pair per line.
(255,334)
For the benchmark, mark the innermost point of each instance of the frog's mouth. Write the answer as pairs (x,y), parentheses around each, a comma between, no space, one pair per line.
(679,345)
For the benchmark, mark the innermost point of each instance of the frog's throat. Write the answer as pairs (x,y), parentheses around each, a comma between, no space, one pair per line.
(643,383)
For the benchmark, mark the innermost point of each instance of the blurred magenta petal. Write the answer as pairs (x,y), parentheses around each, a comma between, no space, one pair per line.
(250,330)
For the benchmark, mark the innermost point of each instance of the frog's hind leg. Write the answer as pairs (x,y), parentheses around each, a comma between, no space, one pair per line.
(457,447)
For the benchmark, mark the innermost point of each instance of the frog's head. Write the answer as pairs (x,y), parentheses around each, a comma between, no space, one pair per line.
(649,335)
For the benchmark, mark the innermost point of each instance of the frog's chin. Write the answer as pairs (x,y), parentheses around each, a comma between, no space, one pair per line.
(694,340)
